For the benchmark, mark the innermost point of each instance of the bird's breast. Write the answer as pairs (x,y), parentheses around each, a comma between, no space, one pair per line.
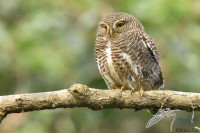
(111,65)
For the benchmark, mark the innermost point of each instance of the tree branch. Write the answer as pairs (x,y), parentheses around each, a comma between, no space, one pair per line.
(81,96)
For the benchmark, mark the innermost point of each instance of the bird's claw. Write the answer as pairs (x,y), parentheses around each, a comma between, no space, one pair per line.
(132,90)
(122,88)
(114,87)
(141,92)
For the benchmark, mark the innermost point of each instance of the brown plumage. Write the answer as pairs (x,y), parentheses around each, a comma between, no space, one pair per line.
(126,56)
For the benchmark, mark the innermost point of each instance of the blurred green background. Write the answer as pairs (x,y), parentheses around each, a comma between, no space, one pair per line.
(48,45)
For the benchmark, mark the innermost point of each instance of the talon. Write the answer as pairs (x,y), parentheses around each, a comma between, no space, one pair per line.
(122,88)
(141,92)
(132,90)
(113,86)
(117,87)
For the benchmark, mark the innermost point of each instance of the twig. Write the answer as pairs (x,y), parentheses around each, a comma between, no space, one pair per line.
(162,113)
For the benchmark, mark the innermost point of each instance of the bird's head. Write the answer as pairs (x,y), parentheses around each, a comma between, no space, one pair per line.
(118,23)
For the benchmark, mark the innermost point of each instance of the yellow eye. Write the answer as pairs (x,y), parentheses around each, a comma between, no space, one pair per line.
(104,26)
(120,25)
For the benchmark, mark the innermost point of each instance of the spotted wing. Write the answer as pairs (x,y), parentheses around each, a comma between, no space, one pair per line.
(145,56)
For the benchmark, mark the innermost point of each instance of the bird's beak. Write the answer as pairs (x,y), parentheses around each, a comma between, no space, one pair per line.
(111,32)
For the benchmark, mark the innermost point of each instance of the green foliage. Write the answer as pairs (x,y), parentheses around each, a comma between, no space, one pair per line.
(48,45)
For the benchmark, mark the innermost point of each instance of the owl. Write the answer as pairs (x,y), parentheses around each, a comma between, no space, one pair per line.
(126,55)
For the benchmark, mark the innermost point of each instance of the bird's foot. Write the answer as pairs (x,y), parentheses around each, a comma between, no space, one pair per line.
(132,90)
(114,87)
(141,92)
(122,88)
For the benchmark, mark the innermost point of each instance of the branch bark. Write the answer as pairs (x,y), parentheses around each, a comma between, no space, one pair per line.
(81,96)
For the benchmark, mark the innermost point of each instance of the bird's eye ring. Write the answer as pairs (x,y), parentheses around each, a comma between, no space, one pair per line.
(120,25)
